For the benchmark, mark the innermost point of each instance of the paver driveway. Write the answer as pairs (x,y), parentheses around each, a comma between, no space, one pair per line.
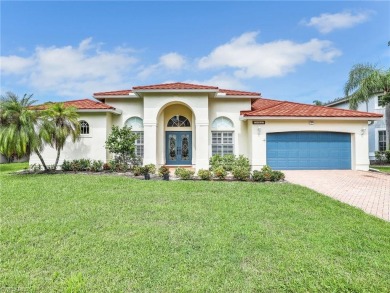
(369,191)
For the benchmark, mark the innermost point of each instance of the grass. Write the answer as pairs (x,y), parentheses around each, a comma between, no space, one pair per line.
(384,169)
(98,233)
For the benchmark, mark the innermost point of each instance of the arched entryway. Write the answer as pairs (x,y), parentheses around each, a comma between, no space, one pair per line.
(176,145)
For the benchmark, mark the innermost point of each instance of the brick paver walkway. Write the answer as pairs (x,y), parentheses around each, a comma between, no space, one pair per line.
(369,191)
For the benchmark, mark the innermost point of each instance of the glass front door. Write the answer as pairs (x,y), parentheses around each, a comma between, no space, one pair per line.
(178,148)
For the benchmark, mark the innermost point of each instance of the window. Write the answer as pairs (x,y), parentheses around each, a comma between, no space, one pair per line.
(84,127)
(378,102)
(137,126)
(222,141)
(381,140)
(139,144)
(178,121)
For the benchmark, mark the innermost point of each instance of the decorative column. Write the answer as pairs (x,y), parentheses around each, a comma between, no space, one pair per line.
(202,145)
(150,135)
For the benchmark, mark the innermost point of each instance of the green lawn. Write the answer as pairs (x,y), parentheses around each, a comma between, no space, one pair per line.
(384,169)
(99,233)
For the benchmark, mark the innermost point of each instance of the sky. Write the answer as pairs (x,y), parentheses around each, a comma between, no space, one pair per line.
(286,50)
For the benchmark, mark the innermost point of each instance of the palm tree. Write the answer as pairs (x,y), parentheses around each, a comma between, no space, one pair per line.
(61,123)
(19,134)
(364,81)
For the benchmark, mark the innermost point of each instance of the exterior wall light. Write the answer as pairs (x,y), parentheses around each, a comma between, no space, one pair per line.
(311,122)
(362,131)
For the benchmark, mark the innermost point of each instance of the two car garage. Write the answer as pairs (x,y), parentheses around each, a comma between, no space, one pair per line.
(308,150)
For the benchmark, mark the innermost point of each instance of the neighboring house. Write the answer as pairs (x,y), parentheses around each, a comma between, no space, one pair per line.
(376,129)
(4,159)
(184,124)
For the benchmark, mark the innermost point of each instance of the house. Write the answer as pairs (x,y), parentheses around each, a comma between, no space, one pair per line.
(181,124)
(376,128)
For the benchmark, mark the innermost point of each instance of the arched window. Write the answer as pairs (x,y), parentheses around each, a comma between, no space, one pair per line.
(222,142)
(178,121)
(137,126)
(84,127)
(222,123)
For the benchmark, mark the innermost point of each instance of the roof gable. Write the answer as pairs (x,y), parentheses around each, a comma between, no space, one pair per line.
(176,86)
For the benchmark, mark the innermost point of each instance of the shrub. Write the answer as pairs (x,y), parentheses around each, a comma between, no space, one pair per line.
(107,167)
(118,166)
(387,155)
(163,170)
(205,174)
(85,164)
(229,161)
(242,161)
(267,174)
(150,169)
(241,173)
(137,170)
(379,157)
(96,166)
(75,165)
(216,161)
(66,166)
(278,176)
(35,167)
(184,174)
(220,172)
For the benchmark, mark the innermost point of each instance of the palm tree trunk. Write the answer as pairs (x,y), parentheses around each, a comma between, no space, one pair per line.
(57,159)
(387,117)
(42,161)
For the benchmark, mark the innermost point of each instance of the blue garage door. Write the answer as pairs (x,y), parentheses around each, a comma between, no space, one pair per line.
(309,150)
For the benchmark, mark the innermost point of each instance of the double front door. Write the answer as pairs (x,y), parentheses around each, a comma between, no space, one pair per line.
(178,147)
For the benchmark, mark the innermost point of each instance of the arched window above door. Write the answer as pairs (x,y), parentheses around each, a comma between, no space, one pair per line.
(178,121)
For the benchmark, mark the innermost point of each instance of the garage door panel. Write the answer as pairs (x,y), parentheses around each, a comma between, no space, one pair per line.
(309,150)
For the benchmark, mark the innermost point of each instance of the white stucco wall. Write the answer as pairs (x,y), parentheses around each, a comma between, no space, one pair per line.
(231,108)
(359,142)
(89,146)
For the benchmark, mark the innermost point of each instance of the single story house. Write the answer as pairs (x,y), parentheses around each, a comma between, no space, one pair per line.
(181,124)
(376,129)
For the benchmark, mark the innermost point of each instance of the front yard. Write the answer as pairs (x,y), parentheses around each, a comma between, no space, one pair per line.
(100,233)
(382,168)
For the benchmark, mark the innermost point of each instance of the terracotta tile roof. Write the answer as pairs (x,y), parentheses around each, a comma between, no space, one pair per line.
(85,104)
(114,93)
(175,86)
(274,108)
(239,93)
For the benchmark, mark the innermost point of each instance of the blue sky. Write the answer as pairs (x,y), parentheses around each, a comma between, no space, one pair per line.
(297,51)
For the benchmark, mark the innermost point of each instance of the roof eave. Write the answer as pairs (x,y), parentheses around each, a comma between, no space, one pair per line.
(175,90)
(244,118)
(237,97)
(114,111)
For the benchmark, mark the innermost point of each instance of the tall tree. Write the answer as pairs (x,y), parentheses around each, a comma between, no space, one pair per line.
(366,80)
(61,123)
(20,134)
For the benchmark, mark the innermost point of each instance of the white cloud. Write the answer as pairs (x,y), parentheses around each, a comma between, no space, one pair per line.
(170,61)
(15,64)
(252,59)
(223,81)
(71,71)
(327,22)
